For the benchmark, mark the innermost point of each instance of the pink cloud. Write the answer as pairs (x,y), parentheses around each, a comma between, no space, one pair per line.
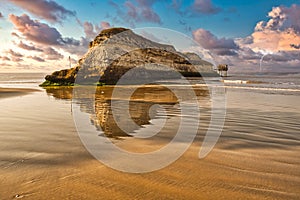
(105,25)
(52,54)
(280,33)
(280,48)
(41,33)
(5,58)
(36,58)
(137,11)
(15,34)
(132,10)
(149,15)
(91,31)
(15,54)
(274,41)
(277,39)
(205,7)
(16,59)
(45,9)
(36,31)
(28,47)
(5,65)
(219,46)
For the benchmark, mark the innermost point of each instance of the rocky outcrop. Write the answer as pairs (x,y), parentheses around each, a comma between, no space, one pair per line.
(106,34)
(116,51)
(62,77)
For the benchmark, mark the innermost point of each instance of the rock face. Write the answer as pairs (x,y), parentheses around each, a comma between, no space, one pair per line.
(62,77)
(116,51)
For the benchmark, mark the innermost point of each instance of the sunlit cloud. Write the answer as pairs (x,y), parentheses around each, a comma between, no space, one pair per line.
(280,33)
(45,9)
(15,54)
(219,46)
(36,58)
(5,58)
(43,34)
(52,54)
(91,31)
(29,47)
(36,31)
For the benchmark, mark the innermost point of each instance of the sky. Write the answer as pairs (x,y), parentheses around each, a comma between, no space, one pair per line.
(40,35)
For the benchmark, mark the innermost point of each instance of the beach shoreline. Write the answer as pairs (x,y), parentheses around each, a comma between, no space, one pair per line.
(13,92)
(42,156)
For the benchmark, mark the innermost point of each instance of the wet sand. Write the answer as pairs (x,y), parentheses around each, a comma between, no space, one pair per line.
(11,92)
(257,156)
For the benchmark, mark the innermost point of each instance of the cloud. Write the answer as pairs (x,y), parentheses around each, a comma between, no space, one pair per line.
(210,41)
(280,32)
(137,11)
(45,9)
(147,13)
(225,52)
(105,25)
(248,54)
(43,34)
(36,31)
(5,66)
(205,7)
(277,40)
(28,47)
(15,54)
(219,46)
(37,58)
(281,18)
(142,11)
(16,59)
(52,54)
(15,34)
(4,58)
(274,41)
(78,50)
(91,31)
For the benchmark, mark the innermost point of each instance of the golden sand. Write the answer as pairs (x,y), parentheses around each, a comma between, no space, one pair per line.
(10,92)
(42,157)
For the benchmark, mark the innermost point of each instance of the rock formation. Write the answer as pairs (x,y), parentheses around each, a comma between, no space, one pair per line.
(115,51)
(222,69)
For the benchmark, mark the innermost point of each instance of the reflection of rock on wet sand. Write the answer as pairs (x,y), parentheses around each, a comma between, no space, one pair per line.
(110,124)
(60,92)
(97,101)
(116,123)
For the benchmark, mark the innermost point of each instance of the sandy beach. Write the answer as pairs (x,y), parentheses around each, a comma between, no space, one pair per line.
(149,100)
(11,92)
(42,157)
